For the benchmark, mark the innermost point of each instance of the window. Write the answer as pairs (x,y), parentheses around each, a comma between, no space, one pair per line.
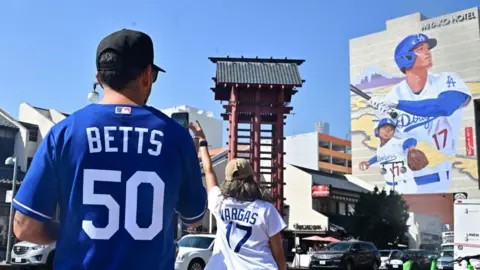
(365,247)
(332,207)
(320,205)
(351,209)
(32,134)
(195,242)
(342,208)
(7,133)
(29,162)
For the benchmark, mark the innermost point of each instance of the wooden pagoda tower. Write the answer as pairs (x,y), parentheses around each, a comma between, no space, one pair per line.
(258,92)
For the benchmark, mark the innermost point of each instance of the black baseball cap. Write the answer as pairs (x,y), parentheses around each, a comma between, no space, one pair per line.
(135,49)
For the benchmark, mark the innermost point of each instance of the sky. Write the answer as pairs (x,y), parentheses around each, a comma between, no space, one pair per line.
(47,48)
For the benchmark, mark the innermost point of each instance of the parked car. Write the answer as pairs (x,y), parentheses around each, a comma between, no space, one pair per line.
(347,255)
(194,251)
(386,255)
(421,259)
(30,254)
(445,261)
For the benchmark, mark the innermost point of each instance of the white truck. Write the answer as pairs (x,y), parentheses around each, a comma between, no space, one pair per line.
(466,231)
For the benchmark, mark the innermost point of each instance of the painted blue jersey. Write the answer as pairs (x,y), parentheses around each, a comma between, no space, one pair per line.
(117,173)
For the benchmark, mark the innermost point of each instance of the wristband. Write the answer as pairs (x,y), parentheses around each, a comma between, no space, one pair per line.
(203,143)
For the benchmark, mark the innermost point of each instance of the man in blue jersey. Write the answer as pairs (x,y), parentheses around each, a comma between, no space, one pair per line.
(118,170)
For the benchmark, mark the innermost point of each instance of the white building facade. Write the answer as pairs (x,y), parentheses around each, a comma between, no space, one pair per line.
(212,126)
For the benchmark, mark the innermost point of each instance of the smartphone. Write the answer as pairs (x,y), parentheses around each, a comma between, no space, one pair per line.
(181,118)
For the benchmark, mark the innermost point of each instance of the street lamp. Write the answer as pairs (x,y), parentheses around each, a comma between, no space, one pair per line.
(403,170)
(11,161)
(94,96)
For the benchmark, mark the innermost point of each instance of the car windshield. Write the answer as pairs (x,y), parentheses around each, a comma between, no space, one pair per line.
(384,253)
(338,247)
(447,248)
(195,242)
(448,253)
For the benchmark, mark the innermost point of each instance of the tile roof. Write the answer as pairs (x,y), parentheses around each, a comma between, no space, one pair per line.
(5,122)
(336,181)
(258,71)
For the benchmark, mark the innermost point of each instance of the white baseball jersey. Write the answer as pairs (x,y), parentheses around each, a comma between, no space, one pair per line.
(243,233)
(390,152)
(441,132)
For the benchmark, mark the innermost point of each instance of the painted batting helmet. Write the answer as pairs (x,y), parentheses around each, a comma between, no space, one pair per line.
(383,122)
(404,56)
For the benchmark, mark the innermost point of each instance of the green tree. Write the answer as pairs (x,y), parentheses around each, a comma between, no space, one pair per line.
(380,218)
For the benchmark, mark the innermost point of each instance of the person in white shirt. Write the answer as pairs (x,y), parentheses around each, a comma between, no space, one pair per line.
(248,228)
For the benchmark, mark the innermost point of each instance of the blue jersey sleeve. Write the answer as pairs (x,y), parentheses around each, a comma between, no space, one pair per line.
(373,160)
(193,196)
(445,105)
(409,142)
(39,193)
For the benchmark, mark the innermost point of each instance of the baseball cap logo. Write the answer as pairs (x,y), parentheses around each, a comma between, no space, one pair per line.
(420,37)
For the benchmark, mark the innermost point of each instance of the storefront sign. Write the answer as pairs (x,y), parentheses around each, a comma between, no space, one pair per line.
(449,20)
(299,227)
(460,196)
(469,141)
(320,191)
(8,196)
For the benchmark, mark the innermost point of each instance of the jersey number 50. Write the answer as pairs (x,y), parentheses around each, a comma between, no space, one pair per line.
(140,177)
(232,229)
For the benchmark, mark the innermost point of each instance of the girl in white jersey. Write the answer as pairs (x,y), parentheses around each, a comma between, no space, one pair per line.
(248,228)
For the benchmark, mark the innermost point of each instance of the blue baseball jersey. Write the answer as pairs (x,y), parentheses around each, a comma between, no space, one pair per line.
(118,173)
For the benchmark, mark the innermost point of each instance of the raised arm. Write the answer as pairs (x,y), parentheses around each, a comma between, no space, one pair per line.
(210,177)
(214,194)
(192,200)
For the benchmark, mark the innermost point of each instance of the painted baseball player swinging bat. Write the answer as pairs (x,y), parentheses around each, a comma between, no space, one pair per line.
(364,95)
(430,108)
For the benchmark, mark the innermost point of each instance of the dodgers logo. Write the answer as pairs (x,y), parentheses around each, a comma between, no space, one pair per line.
(450,82)
(420,38)
(410,122)
(387,158)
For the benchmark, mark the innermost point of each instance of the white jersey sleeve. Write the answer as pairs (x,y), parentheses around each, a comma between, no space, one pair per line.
(275,222)
(451,81)
(215,199)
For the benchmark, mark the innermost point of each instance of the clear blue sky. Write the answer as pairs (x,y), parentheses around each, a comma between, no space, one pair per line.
(47,48)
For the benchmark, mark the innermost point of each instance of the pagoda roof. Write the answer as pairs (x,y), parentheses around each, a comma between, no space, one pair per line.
(262,71)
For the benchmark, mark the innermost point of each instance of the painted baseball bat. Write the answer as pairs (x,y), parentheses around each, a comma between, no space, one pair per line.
(364,95)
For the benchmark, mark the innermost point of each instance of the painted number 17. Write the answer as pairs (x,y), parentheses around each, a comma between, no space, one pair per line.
(440,138)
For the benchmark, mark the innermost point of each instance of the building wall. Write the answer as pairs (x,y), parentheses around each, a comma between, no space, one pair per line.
(422,226)
(29,114)
(373,69)
(333,154)
(302,150)
(212,126)
(20,151)
(433,204)
(298,196)
(318,151)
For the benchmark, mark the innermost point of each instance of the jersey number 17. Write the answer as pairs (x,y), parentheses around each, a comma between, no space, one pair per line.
(440,138)
(233,229)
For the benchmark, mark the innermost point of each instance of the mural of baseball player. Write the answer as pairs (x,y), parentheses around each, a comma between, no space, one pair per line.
(391,154)
(430,107)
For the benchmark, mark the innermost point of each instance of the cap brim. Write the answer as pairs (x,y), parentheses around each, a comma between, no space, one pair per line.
(158,68)
(432,43)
